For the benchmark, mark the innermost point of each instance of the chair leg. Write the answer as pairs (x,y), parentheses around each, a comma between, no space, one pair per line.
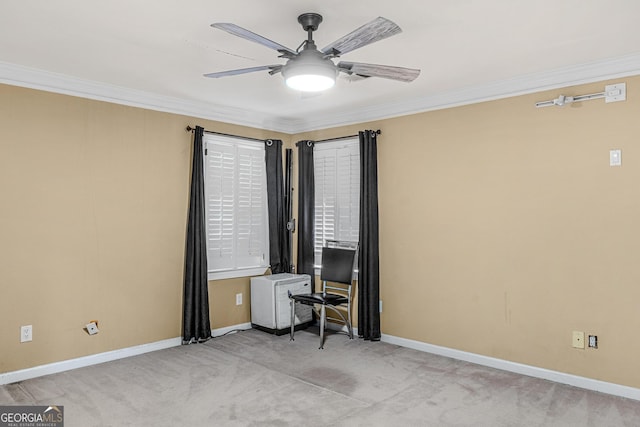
(323,320)
(293,319)
(349,323)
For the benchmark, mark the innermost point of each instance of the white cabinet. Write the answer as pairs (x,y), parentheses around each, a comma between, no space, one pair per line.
(270,307)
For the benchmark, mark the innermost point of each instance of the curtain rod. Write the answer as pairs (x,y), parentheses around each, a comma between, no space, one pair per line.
(377,132)
(190,129)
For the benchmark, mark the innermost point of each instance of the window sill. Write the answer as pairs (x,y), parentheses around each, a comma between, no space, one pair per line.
(232,274)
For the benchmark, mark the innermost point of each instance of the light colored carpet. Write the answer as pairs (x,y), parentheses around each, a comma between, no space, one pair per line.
(252,378)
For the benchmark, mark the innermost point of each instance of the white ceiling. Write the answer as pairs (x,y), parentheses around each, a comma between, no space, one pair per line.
(154,53)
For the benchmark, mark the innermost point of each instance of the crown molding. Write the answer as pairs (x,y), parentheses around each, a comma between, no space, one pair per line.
(612,68)
(18,75)
(619,67)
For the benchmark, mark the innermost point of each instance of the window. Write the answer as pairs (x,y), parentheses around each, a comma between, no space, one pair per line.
(236,207)
(337,192)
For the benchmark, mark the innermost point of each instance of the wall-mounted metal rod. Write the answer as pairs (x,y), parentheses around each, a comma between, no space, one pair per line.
(612,93)
(190,129)
(562,100)
(378,132)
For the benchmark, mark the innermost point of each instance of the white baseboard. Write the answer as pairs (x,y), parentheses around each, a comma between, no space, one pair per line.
(505,365)
(95,359)
(81,362)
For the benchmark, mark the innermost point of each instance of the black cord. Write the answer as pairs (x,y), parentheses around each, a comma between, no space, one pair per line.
(233,331)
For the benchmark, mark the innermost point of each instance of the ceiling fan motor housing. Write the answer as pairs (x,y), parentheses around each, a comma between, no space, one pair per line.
(310,21)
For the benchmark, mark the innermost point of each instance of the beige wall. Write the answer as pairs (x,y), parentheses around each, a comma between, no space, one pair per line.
(503,228)
(94,198)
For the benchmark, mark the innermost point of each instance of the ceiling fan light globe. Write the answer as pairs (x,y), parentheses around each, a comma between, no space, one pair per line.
(310,82)
(310,72)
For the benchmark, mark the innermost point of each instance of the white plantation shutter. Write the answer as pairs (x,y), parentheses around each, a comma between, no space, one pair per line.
(219,194)
(251,208)
(236,208)
(337,192)
(325,199)
(348,193)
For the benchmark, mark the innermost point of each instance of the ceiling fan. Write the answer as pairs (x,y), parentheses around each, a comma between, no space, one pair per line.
(311,70)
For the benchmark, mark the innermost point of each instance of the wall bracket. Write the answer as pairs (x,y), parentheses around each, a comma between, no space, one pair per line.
(612,93)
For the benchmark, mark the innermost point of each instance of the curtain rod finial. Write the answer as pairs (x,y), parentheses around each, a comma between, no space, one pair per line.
(189,128)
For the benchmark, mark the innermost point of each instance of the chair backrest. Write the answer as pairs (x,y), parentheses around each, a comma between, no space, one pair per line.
(337,265)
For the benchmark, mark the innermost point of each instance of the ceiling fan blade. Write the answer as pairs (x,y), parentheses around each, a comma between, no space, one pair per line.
(378,29)
(384,71)
(248,35)
(273,69)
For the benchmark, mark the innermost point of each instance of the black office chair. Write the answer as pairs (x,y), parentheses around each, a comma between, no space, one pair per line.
(336,274)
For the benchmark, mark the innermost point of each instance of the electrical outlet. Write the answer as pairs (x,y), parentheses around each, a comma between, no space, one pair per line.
(26,333)
(380,306)
(578,339)
(238,299)
(593,341)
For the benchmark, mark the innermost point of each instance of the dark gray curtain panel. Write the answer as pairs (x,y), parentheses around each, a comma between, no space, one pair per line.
(288,204)
(278,236)
(306,206)
(368,258)
(196,326)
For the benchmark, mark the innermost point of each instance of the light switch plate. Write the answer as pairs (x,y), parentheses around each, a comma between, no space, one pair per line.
(578,339)
(615,157)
